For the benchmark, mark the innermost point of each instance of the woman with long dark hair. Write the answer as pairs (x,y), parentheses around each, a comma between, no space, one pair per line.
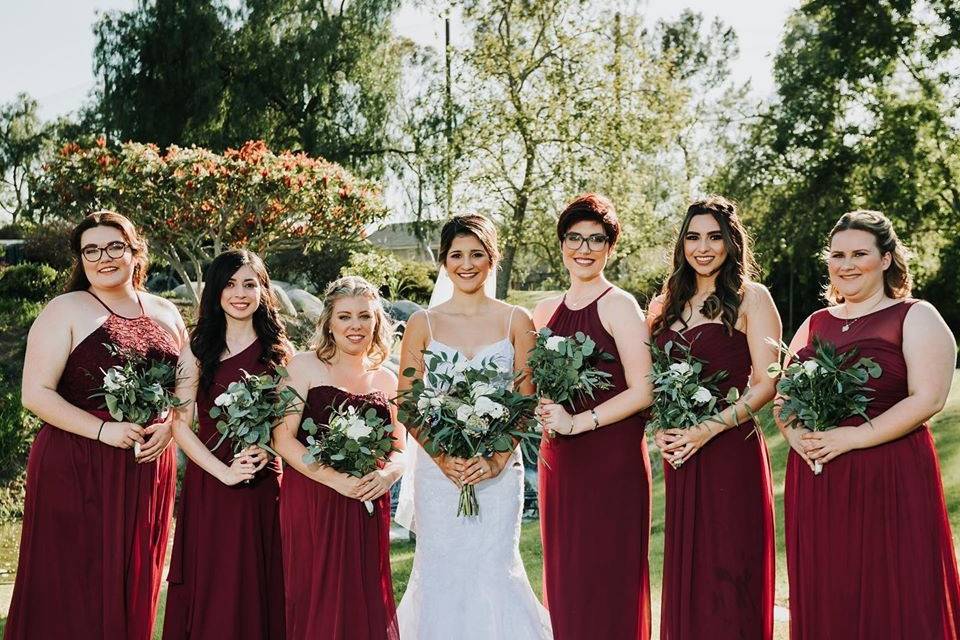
(226,573)
(336,556)
(718,563)
(594,473)
(869,550)
(96,516)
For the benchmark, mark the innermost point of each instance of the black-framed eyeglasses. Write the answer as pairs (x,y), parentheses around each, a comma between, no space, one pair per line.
(93,253)
(595,242)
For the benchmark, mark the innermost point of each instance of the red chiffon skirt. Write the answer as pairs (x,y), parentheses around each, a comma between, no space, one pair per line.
(336,564)
(94,536)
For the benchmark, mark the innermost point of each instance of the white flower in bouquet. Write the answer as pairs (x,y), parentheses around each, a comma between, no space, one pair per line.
(464,411)
(484,406)
(810,367)
(224,399)
(680,367)
(553,342)
(479,389)
(357,427)
(702,395)
(476,425)
(114,380)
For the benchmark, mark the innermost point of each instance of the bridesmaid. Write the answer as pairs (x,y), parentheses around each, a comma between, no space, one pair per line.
(595,474)
(718,549)
(869,548)
(226,573)
(336,557)
(96,518)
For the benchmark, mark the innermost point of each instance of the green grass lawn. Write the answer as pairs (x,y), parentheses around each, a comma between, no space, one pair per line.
(946,428)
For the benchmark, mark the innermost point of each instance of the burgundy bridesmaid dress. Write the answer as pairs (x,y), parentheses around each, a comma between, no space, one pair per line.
(336,557)
(718,562)
(869,549)
(226,572)
(95,521)
(595,512)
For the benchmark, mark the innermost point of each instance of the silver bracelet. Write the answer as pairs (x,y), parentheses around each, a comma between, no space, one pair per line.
(596,418)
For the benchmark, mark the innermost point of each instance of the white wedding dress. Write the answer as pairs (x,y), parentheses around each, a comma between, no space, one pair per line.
(468,580)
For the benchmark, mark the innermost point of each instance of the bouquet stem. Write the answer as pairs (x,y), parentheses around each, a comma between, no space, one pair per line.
(468,502)
(369,505)
(817,467)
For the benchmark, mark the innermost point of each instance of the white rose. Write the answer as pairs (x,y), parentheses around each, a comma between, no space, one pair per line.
(464,412)
(810,366)
(482,389)
(224,399)
(702,396)
(553,342)
(423,403)
(487,407)
(358,428)
(680,367)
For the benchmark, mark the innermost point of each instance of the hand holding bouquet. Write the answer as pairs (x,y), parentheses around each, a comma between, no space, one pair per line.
(465,412)
(824,390)
(682,397)
(355,443)
(138,390)
(250,408)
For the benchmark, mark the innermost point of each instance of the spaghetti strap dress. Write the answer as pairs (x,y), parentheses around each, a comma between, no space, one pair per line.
(95,522)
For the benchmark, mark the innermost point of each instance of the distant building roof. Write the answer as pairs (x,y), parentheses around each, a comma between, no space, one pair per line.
(400,236)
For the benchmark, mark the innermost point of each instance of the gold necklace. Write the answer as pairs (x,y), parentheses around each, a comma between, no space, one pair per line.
(849,321)
(576,302)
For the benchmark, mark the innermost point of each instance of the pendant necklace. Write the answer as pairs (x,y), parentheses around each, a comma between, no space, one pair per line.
(849,321)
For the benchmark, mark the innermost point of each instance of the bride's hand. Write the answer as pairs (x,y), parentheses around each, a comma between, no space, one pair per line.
(479,469)
(451,467)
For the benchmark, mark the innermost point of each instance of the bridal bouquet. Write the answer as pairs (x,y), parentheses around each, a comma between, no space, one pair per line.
(354,443)
(825,389)
(563,367)
(250,408)
(682,397)
(138,390)
(466,411)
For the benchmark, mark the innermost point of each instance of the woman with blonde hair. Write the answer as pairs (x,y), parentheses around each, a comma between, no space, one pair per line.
(336,557)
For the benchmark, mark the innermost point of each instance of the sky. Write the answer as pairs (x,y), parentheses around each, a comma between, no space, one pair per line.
(46,46)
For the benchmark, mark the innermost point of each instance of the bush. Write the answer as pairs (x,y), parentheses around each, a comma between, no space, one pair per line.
(17,430)
(313,268)
(29,281)
(418,278)
(49,244)
(396,278)
(11,232)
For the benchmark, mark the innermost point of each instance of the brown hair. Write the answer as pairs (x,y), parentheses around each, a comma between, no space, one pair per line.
(896,279)
(738,268)
(138,247)
(472,224)
(352,287)
(593,207)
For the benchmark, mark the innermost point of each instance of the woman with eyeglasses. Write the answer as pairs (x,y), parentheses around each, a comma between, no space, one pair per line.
(594,470)
(96,515)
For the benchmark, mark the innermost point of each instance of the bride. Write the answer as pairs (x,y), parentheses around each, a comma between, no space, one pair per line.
(468,580)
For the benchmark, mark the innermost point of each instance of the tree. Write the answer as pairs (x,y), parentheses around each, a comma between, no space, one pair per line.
(864,117)
(164,72)
(22,139)
(559,99)
(193,203)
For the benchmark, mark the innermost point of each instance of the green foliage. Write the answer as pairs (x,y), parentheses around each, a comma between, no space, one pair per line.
(682,396)
(355,440)
(23,139)
(28,281)
(11,232)
(396,278)
(824,389)
(250,408)
(314,266)
(564,368)
(49,244)
(138,390)
(17,429)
